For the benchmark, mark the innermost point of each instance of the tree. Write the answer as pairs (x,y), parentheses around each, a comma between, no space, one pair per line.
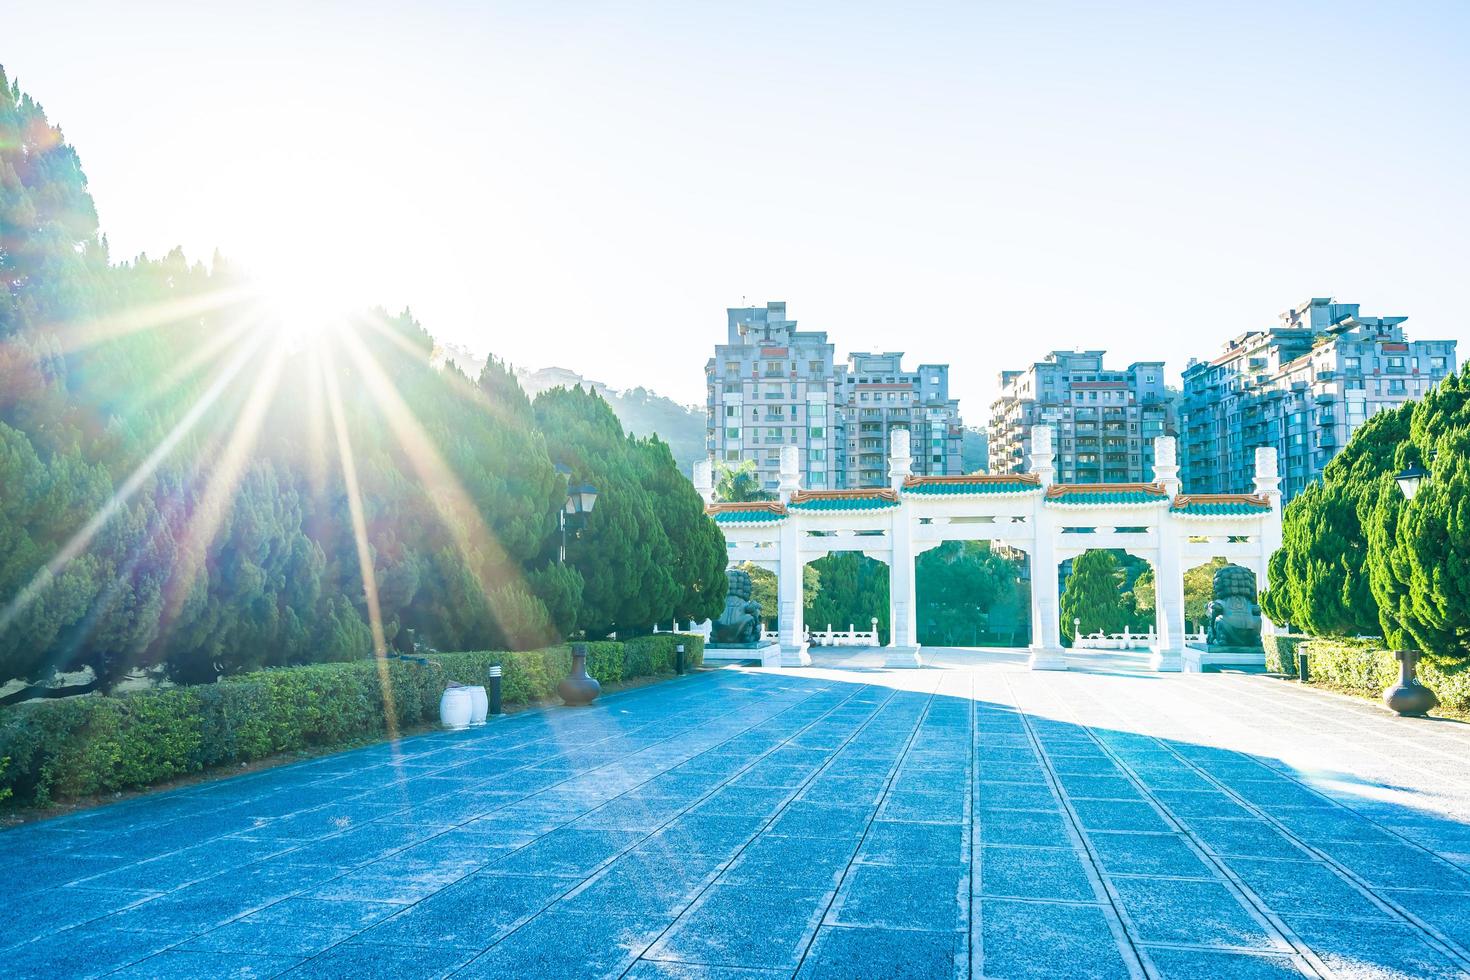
(956,586)
(1419,549)
(1320,577)
(851,590)
(1093,594)
(739,483)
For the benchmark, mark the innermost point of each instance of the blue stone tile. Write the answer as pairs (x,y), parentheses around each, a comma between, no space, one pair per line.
(1244,838)
(746,800)
(1028,827)
(1119,815)
(802,819)
(559,945)
(200,965)
(1397,865)
(791,862)
(1447,912)
(1033,775)
(389,881)
(268,938)
(372,962)
(1202,964)
(720,834)
(1303,889)
(1033,939)
(931,781)
(659,970)
(1173,778)
(1148,854)
(915,844)
(568,852)
(1054,874)
(1188,803)
(1017,796)
(924,807)
(877,954)
(1083,765)
(472,913)
(632,812)
(1169,910)
(1358,948)
(653,887)
(738,925)
(348,914)
(884,896)
(1090,787)
(1318,827)
(189,865)
(858,791)
(49,911)
(88,951)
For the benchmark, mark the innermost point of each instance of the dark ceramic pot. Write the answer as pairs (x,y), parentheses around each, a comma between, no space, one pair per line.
(579,688)
(1408,696)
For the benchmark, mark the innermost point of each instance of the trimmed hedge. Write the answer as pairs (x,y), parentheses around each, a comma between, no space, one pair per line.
(1281,652)
(76,747)
(1363,667)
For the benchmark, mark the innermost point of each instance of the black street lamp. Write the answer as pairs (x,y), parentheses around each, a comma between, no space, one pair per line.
(1410,479)
(579,503)
(1408,696)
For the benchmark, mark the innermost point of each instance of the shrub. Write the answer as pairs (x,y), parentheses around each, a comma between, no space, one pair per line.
(1281,652)
(1363,667)
(73,747)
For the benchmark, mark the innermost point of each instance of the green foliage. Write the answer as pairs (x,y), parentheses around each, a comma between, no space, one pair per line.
(739,483)
(1281,651)
(1419,549)
(179,533)
(956,585)
(1093,593)
(851,590)
(1321,573)
(1364,668)
(75,747)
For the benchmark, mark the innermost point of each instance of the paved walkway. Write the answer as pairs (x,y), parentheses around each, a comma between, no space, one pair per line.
(838,821)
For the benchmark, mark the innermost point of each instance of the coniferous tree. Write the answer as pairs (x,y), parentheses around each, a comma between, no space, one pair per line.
(1093,594)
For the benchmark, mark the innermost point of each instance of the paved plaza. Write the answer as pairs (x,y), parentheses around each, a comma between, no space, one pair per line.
(970,819)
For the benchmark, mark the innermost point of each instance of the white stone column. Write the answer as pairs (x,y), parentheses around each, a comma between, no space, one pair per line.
(788,578)
(1046,634)
(1168,650)
(903,642)
(1268,485)
(704,479)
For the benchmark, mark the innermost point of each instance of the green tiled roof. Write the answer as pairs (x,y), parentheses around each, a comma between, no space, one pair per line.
(837,501)
(747,517)
(1105,494)
(1220,505)
(979,483)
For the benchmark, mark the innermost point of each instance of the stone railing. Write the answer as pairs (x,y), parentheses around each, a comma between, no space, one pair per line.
(1128,640)
(697,629)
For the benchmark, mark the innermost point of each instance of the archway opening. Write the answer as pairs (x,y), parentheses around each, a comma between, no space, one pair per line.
(1106,595)
(969,594)
(849,590)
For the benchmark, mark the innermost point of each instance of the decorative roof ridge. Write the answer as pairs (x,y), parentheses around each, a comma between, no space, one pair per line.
(1031,479)
(1254,499)
(855,493)
(745,506)
(1057,490)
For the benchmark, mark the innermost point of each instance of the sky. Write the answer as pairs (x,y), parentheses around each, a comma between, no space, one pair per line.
(590,185)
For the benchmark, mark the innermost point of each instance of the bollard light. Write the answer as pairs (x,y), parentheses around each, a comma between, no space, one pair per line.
(495,689)
(679,659)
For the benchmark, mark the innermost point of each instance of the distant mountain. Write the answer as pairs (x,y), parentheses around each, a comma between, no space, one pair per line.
(975,451)
(642,412)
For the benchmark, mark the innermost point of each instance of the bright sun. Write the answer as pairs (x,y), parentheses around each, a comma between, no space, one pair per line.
(302,301)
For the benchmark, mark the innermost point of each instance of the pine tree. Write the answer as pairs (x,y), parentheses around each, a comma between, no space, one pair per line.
(1093,594)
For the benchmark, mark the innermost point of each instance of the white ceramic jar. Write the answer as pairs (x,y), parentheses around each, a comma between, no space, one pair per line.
(479,705)
(456,708)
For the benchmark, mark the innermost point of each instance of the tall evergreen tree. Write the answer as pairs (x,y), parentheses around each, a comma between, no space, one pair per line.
(1093,594)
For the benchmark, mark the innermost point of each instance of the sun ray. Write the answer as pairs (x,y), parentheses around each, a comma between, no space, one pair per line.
(80,335)
(223,480)
(457,511)
(364,552)
(120,497)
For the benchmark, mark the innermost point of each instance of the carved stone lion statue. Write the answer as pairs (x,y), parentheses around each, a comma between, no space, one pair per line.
(740,623)
(1234,615)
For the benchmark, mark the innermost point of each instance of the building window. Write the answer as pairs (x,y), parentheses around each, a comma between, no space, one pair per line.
(1437,365)
(818,431)
(732,433)
(732,455)
(1396,386)
(1395,364)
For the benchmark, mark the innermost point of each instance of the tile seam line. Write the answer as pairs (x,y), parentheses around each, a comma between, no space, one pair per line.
(1431,935)
(1140,964)
(447,829)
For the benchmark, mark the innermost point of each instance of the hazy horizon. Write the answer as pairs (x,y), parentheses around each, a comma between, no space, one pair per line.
(589,187)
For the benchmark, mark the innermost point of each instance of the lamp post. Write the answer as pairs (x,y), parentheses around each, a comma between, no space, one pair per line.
(1408,696)
(579,503)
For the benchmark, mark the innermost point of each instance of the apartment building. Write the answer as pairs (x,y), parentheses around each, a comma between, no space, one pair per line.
(1104,420)
(1303,386)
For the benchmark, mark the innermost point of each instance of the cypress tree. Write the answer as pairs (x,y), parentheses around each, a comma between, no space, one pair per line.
(1093,593)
